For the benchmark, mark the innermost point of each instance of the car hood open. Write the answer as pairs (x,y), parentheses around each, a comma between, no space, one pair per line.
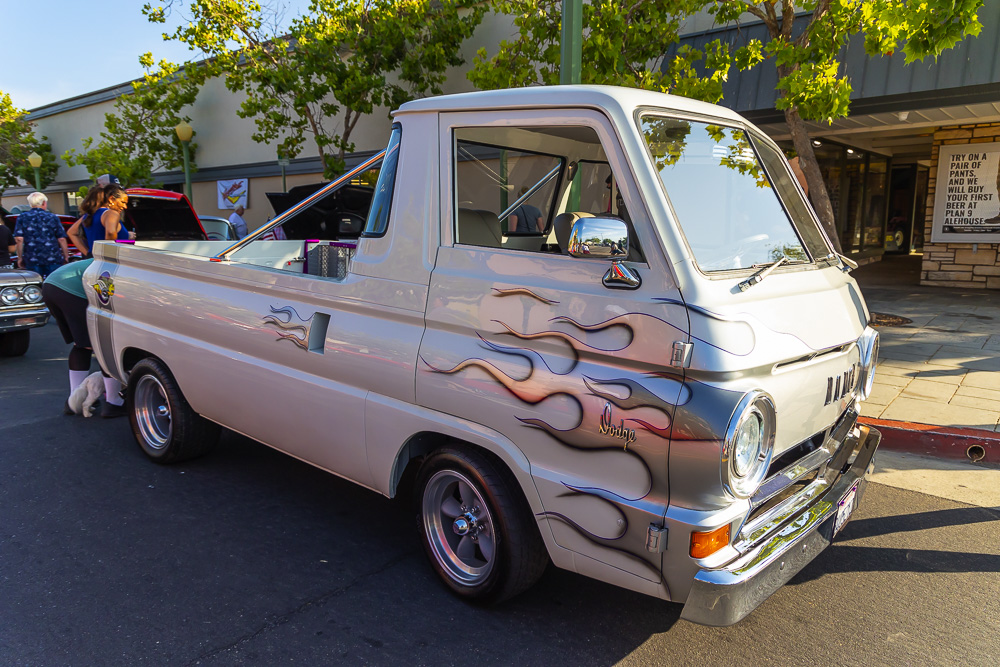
(160,215)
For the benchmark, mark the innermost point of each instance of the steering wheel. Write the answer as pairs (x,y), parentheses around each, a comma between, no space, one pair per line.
(356,221)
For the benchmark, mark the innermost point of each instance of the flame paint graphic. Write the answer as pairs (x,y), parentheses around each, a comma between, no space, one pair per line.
(282,319)
(740,318)
(522,291)
(652,401)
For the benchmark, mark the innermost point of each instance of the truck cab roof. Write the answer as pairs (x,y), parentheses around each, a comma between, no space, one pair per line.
(608,97)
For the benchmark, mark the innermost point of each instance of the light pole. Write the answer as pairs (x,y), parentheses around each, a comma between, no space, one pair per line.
(35,160)
(571,46)
(283,162)
(571,68)
(184,133)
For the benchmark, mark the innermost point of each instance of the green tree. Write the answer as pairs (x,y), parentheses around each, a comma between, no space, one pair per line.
(17,142)
(624,44)
(139,139)
(335,64)
(620,48)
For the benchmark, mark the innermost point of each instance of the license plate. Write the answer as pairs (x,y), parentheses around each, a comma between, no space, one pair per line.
(844,508)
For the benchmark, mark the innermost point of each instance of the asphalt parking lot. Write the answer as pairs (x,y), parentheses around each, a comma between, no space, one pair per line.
(249,557)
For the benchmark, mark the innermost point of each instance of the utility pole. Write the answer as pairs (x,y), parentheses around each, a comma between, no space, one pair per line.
(571,49)
(571,68)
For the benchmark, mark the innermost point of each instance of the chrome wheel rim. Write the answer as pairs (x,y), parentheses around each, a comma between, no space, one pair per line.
(152,412)
(459,527)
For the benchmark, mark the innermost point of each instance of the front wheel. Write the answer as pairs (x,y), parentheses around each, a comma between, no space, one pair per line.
(476,527)
(14,343)
(163,423)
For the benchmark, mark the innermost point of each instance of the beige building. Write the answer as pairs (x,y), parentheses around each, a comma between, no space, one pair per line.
(880,164)
(225,149)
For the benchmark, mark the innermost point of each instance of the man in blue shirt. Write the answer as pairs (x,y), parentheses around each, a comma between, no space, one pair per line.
(40,238)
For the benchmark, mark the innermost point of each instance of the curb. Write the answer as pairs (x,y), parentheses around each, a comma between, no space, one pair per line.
(960,444)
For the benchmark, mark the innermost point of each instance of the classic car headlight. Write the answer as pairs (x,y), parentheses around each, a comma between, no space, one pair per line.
(746,453)
(868,344)
(9,296)
(32,293)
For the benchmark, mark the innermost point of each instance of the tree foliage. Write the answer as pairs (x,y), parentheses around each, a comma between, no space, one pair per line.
(139,139)
(338,62)
(624,44)
(17,142)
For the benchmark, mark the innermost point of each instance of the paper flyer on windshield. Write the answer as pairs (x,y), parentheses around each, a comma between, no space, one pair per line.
(967,201)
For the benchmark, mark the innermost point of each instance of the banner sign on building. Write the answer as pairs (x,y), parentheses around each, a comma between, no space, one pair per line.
(966,200)
(233,193)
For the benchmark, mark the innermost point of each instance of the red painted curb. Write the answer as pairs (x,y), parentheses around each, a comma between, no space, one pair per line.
(939,441)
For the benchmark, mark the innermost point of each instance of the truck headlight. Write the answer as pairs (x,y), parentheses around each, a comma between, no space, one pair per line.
(868,344)
(746,453)
(32,293)
(9,296)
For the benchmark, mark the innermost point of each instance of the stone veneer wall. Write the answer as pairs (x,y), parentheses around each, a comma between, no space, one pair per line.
(957,264)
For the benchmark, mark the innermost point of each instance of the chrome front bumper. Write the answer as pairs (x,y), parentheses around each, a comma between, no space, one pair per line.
(724,596)
(27,318)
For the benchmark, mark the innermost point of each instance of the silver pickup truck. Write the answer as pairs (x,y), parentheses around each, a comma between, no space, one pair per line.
(590,325)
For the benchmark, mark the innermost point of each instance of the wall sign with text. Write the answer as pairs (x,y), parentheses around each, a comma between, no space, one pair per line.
(967,201)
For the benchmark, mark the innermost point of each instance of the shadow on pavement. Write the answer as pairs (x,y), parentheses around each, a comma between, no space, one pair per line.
(885,525)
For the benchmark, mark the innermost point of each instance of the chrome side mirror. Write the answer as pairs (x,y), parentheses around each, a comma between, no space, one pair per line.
(604,238)
(599,238)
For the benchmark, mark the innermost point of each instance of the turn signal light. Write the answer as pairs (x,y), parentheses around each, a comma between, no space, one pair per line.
(706,544)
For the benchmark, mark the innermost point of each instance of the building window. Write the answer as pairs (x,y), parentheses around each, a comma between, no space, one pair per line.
(857,182)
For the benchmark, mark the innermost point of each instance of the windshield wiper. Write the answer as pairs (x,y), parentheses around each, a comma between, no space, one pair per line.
(761,274)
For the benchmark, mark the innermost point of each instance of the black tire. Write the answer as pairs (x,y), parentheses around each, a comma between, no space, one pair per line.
(163,423)
(14,343)
(518,557)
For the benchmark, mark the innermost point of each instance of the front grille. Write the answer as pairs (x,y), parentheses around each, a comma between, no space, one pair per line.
(797,478)
(797,452)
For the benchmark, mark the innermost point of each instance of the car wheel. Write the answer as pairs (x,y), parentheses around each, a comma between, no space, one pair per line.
(476,527)
(163,423)
(14,343)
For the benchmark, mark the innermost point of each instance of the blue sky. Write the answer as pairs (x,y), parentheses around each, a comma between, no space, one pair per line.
(51,50)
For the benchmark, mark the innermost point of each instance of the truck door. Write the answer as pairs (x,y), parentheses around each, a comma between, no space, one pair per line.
(530,342)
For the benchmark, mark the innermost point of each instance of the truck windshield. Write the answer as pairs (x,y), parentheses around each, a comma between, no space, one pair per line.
(724,196)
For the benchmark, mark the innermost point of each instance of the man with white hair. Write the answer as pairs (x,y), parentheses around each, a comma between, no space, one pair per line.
(238,223)
(40,238)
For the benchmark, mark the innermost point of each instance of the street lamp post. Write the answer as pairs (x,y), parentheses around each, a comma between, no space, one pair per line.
(184,133)
(283,162)
(571,68)
(571,46)
(35,160)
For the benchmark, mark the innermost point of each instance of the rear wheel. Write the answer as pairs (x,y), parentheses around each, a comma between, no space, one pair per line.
(14,343)
(476,528)
(163,423)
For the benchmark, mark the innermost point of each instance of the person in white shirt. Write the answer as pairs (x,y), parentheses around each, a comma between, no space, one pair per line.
(238,223)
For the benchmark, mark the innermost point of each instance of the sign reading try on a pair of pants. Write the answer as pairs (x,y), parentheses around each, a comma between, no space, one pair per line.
(967,201)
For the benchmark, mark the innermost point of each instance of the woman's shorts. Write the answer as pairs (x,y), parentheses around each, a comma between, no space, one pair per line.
(70,313)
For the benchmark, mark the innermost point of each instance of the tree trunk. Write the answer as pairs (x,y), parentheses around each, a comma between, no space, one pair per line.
(810,167)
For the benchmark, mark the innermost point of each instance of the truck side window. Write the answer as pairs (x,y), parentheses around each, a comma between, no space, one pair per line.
(378,216)
(513,189)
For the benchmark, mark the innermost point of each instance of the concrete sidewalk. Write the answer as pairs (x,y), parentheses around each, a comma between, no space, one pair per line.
(942,368)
